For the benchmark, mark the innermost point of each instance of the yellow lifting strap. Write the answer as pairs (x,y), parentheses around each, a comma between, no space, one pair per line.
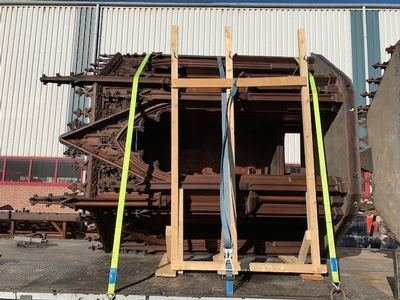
(124,180)
(324,182)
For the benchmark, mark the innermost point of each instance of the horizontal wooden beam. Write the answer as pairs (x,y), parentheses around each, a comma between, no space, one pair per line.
(287,268)
(31,216)
(188,265)
(281,81)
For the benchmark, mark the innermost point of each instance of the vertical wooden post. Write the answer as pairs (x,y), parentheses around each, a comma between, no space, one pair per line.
(231,117)
(311,199)
(64,229)
(12,228)
(176,253)
(180,224)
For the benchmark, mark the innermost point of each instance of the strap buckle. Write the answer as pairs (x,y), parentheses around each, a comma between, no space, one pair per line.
(228,265)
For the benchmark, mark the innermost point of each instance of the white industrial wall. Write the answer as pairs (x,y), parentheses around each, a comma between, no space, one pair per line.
(33,41)
(256,31)
(40,39)
(292,148)
(389,30)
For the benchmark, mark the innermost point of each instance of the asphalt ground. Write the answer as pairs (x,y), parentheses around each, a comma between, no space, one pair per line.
(77,266)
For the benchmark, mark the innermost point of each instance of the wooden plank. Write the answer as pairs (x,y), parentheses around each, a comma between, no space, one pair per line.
(220,256)
(311,199)
(288,259)
(279,81)
(168,242)
(12,228)
(180,224)
(164,268)
(24,216)
(200,265)
(175,251)
(5,215)
(305,246)
(287,268)
(315,277)
(64,230)
(197,265)
(60,231)
(294,260)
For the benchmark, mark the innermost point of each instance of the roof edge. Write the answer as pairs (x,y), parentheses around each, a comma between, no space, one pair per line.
(203,4)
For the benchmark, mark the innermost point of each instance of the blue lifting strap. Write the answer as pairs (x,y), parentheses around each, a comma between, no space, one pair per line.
(226,195)
(224,165)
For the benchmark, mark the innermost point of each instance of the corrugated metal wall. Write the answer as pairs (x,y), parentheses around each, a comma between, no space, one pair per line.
(360,74)
(292,148)
(255,31)
(46,39)
(84,54)
(33,41)
(389,30)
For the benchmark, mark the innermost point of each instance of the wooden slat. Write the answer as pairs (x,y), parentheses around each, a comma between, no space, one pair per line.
(175,251)
(201,265)
(284,81)
(311,199)
(67,217)
(287,268)
(5,215)
(12,228)
(314,277)
(288,259)
(58,228)
(64,230)
(305,246)
(180,223)
(197,265)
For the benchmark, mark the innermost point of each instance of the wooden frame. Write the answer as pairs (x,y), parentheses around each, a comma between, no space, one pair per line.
(173,261)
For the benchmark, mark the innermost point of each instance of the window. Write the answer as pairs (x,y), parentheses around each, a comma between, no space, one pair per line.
(43,170)
(39,171)
(17,170)
(66,173)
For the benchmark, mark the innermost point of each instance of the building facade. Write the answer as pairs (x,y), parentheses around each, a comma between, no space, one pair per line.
(63,37)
